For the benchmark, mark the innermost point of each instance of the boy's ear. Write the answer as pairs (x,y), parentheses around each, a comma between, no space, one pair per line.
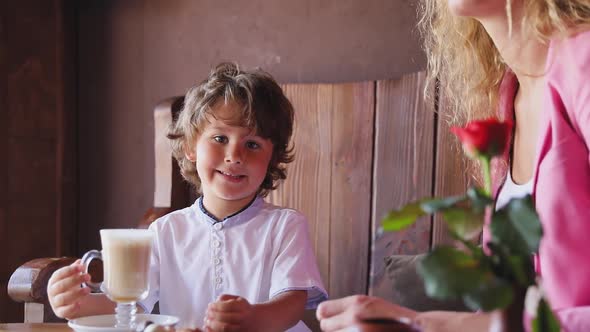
(190,155)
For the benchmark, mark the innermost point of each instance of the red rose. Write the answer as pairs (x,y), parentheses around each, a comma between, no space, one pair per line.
(487,137)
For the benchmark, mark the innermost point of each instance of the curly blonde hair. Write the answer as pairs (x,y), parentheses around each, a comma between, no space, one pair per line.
(464,62)
(264,109)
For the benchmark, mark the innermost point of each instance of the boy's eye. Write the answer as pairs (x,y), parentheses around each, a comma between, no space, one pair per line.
(220,139)
(252,145)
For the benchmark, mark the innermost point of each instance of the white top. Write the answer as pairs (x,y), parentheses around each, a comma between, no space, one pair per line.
(512,190)
(258,253)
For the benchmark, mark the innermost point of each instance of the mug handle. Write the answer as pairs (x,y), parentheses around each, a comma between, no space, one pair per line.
(86,259)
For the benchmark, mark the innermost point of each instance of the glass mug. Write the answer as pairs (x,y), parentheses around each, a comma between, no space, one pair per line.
(126,262)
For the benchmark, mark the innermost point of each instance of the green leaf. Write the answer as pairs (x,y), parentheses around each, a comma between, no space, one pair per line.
(464,222)
(494,293)
(479,199)
(522,269)
(525,219)
(432,206)
(545,320)
(399,219)
(516,268)
(517,227)
(506,236)
(449,273)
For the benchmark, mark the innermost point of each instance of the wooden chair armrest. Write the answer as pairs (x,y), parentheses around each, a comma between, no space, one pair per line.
(29,282)
(153,214)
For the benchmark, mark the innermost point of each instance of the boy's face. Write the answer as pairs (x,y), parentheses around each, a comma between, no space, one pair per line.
(231,160)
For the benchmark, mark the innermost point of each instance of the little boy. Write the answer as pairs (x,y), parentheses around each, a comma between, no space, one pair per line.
(231,261)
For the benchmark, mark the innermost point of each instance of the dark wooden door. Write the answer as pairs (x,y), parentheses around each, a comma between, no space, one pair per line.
(37,136)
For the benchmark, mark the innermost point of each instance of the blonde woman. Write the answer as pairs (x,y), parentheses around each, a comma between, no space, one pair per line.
(529,61)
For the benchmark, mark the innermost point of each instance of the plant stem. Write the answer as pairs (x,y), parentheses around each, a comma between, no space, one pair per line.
(512,315)
(472,248)
(487,176)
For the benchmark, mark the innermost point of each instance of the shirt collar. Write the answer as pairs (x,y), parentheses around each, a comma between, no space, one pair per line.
(245,213)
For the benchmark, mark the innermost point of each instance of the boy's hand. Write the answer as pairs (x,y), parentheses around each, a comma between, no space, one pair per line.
(228,314)
(64,291)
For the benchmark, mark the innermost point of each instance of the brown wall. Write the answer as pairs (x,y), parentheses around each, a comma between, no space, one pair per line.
(133,54)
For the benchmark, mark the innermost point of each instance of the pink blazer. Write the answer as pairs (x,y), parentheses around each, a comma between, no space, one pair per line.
(561,180)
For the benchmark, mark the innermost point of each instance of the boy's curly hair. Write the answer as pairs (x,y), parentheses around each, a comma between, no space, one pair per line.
(264,109)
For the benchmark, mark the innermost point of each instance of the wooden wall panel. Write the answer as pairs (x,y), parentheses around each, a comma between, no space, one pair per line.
(329,181)
(307,187)
(352,154)
(402,171)
(452,177)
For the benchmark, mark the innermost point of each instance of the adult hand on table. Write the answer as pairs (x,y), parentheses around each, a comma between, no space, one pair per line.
(358,310)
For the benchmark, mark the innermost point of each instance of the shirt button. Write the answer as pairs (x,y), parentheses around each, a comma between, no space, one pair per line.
(217,261)
(216,243)
(218,280)
(218,226)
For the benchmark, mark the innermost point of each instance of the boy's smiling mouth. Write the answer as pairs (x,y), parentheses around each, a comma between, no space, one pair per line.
(230,176)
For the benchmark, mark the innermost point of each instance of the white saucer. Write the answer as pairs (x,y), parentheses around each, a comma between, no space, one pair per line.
(106,323)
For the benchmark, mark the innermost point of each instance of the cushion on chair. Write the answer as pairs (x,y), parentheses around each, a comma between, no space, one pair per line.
(408,287)
(29,282)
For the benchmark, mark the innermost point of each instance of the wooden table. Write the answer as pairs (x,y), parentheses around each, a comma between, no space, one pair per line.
(35,327)
(384,326)
(62,327)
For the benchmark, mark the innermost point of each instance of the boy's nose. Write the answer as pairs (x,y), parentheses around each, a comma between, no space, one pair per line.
(233,155)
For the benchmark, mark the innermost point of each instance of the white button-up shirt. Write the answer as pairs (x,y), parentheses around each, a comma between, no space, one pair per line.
(257,254)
